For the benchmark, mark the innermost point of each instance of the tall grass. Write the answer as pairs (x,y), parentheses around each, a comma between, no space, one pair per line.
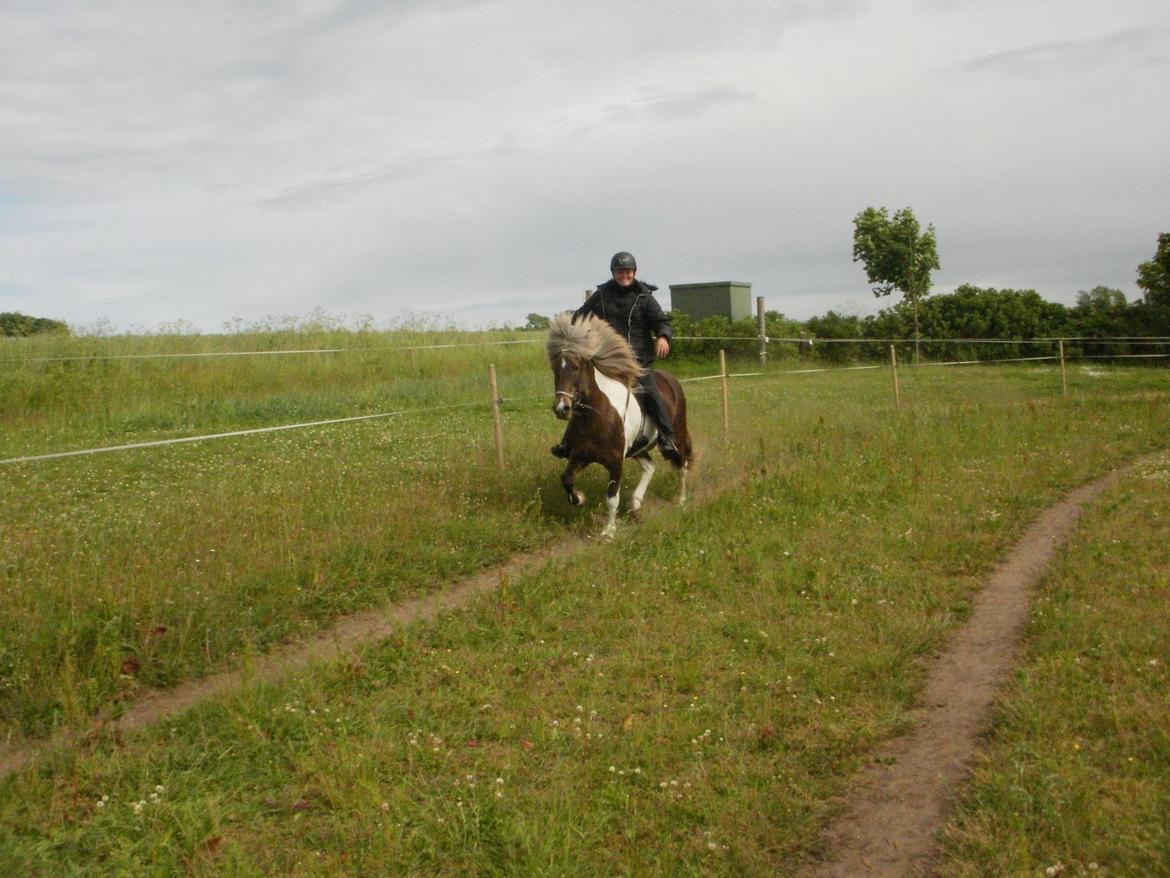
(148,567)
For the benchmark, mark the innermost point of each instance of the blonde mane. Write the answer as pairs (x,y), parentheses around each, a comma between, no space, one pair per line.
(592,339)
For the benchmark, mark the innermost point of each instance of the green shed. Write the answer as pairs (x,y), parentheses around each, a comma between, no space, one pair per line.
(726,298)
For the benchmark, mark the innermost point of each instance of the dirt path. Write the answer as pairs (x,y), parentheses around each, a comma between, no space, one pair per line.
(892,812)
(343,638)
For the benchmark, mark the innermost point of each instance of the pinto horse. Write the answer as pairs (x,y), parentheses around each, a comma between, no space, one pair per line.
(595,374)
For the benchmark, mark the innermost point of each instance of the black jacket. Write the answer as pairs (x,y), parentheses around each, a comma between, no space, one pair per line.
(633,312)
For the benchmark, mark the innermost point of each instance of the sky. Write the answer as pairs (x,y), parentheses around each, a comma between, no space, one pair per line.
(470,162)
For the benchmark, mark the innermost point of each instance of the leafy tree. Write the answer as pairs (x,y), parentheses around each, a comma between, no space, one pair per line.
(15,323)
(1101,300)
(1103,312)
(896,254)
(537,321)
(1154,276)
(832,326)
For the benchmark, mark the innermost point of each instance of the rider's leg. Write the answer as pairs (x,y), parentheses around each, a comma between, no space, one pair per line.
(561,449)
(652,404)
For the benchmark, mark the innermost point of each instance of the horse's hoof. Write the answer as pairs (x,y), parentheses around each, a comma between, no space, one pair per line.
(576,498)
(608,534)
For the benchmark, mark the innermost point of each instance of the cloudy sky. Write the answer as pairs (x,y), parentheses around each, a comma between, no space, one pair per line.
(478,160)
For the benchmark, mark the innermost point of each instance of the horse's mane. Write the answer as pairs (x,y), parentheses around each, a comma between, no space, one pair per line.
(591,338)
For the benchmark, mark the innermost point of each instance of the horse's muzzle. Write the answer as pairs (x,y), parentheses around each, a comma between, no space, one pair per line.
(562,407)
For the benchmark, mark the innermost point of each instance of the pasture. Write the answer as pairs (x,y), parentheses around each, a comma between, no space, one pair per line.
(683,701)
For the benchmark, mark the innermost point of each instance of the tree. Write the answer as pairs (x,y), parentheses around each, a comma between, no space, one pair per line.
(897,256)
(537,321)
(1154,276)
(14,323)
(1101,300)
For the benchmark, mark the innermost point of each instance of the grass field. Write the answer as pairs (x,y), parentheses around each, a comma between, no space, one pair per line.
(682,702)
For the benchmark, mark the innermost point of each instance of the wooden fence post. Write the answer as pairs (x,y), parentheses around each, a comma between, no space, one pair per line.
(894,368)
(414,362)
(499,432)
(1063,374)
(723,372)
(763,331)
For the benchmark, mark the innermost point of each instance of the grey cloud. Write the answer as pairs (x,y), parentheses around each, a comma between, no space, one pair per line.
(1141,45)
(332,191)
(685,105)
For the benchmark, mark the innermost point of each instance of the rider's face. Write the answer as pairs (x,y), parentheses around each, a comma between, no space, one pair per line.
(624,276)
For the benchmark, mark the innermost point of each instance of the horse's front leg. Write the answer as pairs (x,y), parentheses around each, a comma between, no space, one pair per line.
(576,498)
(612,499)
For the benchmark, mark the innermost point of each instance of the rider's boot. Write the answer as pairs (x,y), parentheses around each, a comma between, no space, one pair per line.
(667,447)
(561,449)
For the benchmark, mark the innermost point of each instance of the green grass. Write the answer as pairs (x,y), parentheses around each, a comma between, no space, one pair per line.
(733,662)
(1076,775)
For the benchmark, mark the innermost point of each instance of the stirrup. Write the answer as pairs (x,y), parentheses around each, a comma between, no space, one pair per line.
(560,450)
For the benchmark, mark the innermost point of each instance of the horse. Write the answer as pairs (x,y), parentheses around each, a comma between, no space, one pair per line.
(595,373)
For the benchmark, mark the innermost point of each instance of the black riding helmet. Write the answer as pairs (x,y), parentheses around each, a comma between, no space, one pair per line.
(623,260)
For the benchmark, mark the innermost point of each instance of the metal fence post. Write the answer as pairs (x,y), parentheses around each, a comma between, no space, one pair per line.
(496,426)
(1063,374)
(894,368)
(723,373)
(763,331)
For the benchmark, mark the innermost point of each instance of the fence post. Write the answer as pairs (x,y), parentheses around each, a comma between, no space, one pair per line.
(763,331)
(723,372)
(588,293)
(414,362)
(499,433)
(894,368)
(1063,375)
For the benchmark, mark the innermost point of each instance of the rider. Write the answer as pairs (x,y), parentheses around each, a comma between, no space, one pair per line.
(628,305)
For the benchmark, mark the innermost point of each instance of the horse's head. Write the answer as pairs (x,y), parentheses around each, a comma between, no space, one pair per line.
(569,375)
(570,347)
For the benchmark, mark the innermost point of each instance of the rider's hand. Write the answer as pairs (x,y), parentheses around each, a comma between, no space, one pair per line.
(662,349)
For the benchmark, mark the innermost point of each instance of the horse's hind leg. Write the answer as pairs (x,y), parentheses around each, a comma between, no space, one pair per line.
(647,466)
